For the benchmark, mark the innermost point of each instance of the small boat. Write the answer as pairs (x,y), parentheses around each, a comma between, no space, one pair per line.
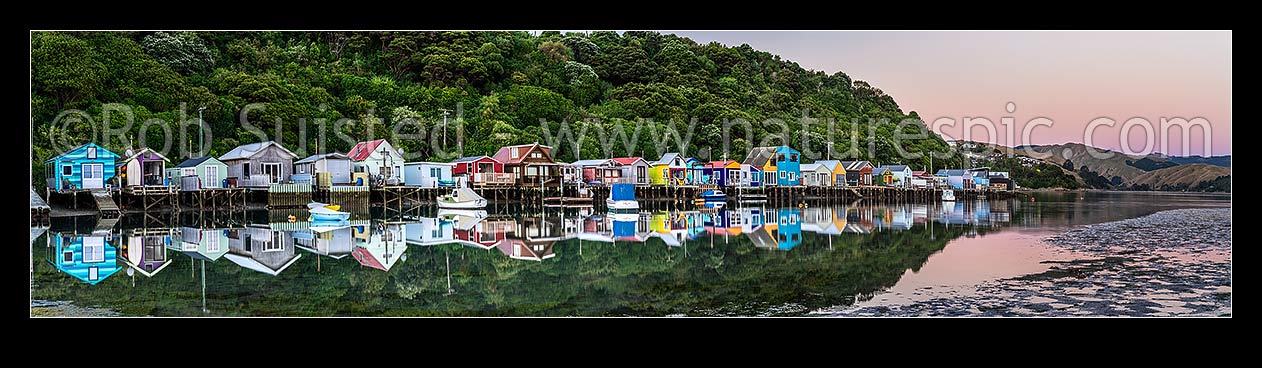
(462,198)
(314,205)
(327,226)
(624,216)
(323,214)
(948,195)
(448,214)
(622,197)
(713,195)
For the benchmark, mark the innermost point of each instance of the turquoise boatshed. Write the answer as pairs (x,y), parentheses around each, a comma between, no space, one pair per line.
(87,258)
(85,167)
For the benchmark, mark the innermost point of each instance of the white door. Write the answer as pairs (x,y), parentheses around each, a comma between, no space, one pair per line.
(93,249)
(272,170)
(92,174)
(212,177)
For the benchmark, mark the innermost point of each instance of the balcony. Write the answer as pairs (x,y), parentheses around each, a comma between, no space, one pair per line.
(493,179)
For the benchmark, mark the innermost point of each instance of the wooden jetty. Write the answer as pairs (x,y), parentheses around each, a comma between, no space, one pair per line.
(149,198)
(39,209)
(403,199)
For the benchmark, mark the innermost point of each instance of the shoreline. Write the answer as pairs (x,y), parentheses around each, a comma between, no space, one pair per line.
(1093,190)
(45,308)
(1169,263)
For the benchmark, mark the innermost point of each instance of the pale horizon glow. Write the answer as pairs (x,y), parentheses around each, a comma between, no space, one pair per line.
(1071,77)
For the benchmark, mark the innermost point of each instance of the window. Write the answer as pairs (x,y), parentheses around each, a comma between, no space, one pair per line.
(91,152)
(66,170)
(272,170)
(302,169)
(189,171)
(783,175)
(536,155)
(67,257)
(780,157)
(93,273)
(515,153)
(532,171)
(793,157)
(245,170)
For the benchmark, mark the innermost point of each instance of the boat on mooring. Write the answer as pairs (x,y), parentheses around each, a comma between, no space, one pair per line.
(314,205)
(461,198)
(713,195)
(324,214)
(622,197)
(948,195)
(461,215)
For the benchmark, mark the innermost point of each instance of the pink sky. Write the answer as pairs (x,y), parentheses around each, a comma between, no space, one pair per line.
(1069,77)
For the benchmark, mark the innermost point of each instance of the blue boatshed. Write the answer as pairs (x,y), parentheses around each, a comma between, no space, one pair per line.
(87,258)
(85,167)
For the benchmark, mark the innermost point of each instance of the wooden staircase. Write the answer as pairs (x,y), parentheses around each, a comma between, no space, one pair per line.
(105,204)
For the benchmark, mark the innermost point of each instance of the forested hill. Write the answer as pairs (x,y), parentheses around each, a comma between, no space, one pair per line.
(503,83)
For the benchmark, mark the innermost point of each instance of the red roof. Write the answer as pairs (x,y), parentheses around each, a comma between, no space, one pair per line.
(627,160)
(362,150)
(716,164)
(365,258)
(505,156)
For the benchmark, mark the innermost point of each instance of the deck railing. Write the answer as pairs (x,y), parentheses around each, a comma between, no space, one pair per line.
(493,178)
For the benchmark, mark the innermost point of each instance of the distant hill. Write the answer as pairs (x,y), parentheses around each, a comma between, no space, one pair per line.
(1224,161)
(1118,171)
(1116,165)
(1148,164)
(1184,177)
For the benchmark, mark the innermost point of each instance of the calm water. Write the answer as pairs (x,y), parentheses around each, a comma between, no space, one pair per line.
(752,260)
